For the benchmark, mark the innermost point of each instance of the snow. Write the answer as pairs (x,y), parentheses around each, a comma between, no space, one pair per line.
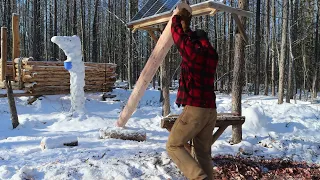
(71,46)
(57,142)
(286,131)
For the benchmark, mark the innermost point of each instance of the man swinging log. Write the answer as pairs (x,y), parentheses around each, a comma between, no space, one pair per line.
(196,95)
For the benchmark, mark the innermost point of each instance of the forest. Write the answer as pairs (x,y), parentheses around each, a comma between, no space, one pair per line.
(282,51)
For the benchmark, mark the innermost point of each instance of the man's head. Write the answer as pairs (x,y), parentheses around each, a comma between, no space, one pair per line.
(186,19)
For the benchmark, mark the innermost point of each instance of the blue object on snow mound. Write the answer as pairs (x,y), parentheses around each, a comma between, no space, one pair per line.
(67,65)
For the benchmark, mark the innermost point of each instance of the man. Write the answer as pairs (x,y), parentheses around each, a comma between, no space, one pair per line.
(195,93)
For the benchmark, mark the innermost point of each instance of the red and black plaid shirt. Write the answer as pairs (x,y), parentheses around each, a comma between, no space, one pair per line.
(198,67)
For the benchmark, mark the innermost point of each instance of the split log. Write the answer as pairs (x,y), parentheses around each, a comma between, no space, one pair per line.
(46,74)
(58,142)
(122,133)
(29,79)
(3,58)
(66,83)
(15,39)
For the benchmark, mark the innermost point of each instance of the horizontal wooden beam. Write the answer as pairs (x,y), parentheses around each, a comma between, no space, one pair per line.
(205,8)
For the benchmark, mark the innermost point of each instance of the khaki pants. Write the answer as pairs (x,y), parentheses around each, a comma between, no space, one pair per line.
(195,124)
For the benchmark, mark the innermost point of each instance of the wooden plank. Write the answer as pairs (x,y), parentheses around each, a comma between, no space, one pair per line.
(218,133)
(213,12)
(158,54)
(240,27)
(200,9)
(3,60)
(15,39)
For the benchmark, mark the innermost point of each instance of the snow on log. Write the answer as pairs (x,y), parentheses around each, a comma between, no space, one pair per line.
(58,142)
(123,133)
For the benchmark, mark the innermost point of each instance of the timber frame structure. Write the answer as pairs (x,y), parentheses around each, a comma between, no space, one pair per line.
(205,8)
(163,45)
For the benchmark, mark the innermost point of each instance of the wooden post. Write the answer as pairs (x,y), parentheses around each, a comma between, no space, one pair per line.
(3,61)
(236,134)
(16,40)
(12,104)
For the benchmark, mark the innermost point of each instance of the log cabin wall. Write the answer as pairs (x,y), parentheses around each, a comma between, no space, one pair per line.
(50,77)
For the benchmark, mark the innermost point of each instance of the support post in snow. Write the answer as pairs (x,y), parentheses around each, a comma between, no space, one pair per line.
(12,104)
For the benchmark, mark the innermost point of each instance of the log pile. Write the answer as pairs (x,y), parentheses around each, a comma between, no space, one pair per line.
(50,76)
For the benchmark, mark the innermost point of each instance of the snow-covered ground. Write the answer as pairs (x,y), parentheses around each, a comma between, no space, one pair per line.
(271,131)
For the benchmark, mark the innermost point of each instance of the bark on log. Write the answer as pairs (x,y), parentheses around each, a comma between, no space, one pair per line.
(3,58)
(12,104)
(124,134)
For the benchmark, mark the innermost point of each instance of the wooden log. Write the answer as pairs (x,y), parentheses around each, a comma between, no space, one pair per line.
(122,133)
(15,39)
(236,134)
(3,60)
(66,74)
(29,79)
(24,60)
(58,142)
(9,70)
(218,133)
(12,104)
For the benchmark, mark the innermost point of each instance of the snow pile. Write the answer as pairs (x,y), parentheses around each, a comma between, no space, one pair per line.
(256,120)
(72,48)
(58,142)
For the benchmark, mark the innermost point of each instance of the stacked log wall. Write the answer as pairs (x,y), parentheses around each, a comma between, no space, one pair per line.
(48,77)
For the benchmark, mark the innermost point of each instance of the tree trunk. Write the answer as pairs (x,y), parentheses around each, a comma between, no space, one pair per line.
(36,43)
(75,23)
(55,28)
(83,30)
(94,33)
(266,67)
(165,81)
(316,61)
(238,74)
(283,51)
(229,85)
(273,68)
(257,60)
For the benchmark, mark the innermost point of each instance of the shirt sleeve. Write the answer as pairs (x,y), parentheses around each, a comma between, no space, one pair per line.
(181,39)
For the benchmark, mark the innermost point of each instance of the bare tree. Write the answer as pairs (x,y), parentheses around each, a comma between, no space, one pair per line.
(273,63)
(257,44)
(266,66)
(238,74)
(283,51)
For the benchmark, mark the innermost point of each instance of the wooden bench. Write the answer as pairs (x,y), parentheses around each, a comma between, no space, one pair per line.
(223,121)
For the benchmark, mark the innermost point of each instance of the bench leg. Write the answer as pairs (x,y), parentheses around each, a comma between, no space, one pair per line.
(218,133)
(236,134)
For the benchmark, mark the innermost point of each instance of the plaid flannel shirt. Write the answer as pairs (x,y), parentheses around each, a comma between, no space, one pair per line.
(198,67)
